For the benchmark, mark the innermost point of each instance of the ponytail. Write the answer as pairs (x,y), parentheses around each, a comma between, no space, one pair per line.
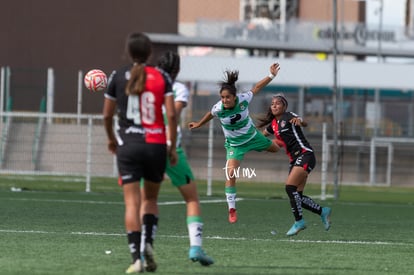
(266,119)
(136,82)
(229,82)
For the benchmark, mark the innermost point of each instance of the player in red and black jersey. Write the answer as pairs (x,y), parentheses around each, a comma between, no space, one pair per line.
(136,93)
(286,127)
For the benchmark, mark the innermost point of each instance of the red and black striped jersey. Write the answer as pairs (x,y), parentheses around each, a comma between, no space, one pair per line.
(292,136)
(140,117)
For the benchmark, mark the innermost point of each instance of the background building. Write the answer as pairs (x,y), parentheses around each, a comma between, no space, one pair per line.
(68,36)
(73,36)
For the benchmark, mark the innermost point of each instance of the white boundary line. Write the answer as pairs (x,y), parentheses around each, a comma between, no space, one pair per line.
(405,205)
(174,236)
(113,202)
(212,238)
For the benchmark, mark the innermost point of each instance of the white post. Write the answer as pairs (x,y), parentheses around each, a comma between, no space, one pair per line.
(389,162)
(80,86)
(372,162)
(377,115)
(301,103)
(282,25)
(89,156)
(210,158)
(50,94)
(381,16)
(4,88)
(2,83)
(324,167)
(7,88)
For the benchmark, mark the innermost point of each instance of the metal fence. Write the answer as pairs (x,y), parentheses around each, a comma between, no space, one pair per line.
(76,145)
(58,144)
(375,136)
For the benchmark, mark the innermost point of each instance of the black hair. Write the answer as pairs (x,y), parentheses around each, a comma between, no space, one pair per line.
(170,63)
(229,82)
(139,47)
(268,117)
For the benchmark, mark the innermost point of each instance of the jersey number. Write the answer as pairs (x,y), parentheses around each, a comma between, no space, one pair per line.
(147,113)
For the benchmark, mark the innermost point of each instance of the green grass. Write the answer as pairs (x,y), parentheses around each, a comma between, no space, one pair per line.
(54,227)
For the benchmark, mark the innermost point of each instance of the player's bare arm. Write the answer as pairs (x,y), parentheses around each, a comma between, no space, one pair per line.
(265,133)
(108,113)
(206,118)
(298,121)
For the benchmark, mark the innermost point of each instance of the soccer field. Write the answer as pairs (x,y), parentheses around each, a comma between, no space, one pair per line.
(53,227)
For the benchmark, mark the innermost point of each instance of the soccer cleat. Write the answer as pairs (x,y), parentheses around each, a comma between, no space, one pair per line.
(296,227)
(326,217)
(149,263)
(135,267)
(232,215)
(196,254)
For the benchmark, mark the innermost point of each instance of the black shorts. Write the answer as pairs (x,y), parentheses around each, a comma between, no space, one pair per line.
(141,160)
(306,160)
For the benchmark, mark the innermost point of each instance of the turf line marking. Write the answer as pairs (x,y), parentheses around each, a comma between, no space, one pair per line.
(346,242)
(27,231)
(212,238)
(114,202)
(182,202)
(67,201)
(46,178)
(201,201)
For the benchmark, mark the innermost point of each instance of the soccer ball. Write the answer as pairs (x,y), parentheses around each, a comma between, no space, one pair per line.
(95,80)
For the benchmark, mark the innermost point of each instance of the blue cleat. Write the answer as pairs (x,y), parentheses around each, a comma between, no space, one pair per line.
(296,227)
(196,254)
(326,217)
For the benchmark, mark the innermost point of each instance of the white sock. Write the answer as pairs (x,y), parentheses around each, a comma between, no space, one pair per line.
(231,200)
(195,233)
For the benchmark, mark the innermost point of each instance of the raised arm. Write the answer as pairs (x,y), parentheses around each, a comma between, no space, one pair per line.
(206,118)
(274,69)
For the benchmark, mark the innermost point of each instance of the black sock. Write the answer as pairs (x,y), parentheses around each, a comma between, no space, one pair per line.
(295,201)
(134,243)
(150,223)
(309,204)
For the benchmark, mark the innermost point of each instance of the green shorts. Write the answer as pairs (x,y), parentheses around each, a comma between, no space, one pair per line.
(258,143)
(181,173)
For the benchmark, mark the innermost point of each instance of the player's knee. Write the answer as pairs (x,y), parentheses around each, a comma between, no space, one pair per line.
(290,190)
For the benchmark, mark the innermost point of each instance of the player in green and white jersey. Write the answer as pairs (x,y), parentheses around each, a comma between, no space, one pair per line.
(239,130)
(181,174)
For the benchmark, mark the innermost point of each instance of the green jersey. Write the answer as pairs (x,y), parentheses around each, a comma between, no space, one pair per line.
(238,127)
